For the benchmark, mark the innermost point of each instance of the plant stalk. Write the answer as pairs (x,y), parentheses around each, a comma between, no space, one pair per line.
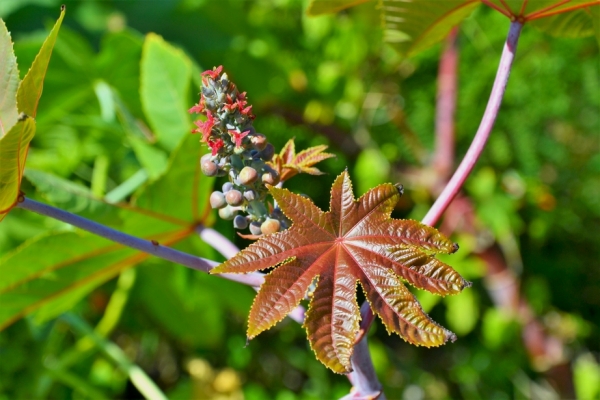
(485,128)
(146,246)
(363,375)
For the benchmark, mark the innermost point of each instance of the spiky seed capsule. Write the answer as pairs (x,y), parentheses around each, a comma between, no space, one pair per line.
(248,175)
(270,226)
(268,152)
(227,186)
(255,228)
(209,168)
(217,200)
(240,222)
(234,197)
(270,178)
(227,213)
(259,141)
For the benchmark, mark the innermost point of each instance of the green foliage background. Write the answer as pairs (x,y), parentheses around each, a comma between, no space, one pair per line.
(101,127)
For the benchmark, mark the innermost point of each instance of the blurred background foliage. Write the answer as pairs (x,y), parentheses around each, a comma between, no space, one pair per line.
(533,200)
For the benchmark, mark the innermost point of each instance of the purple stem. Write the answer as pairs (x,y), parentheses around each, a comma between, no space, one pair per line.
(363,378)
(485,128)
(146,246)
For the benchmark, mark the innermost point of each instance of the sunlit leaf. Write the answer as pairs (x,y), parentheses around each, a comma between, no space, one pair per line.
(287,163)
(30,89)
(73,264)
(9,81)
(165,80)
(13,153)
(318,7)
(413,26)
(355,241)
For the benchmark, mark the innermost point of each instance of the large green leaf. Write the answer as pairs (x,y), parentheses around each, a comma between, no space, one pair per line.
(182,193)
(318,7)
(13,152)
(165,81)
(30,89)
(71,263)
(414,26)
(75,263)
(9,81)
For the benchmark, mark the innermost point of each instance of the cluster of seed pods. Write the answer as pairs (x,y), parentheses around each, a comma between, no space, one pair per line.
(238,152)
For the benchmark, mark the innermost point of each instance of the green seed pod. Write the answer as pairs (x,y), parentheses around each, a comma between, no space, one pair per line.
(240,222)
(270,226)
(268,152)
(270,178)
(217,200)
(255,228)
(259,141)
(227,213)
(234,197)
(248,175)
(209,168)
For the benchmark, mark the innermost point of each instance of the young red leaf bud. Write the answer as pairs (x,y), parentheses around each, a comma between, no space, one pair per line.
(248,175)
(270,226)
(209,168)
(234,197)
(217,200)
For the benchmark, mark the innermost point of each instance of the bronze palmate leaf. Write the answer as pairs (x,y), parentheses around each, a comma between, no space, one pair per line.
(355,241)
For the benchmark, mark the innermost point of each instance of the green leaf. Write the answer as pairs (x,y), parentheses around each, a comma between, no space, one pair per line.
(574,24)
(595,13)
(30,89)
(72,264)
(414,26)
(75,263)
(9,81)
(198,321)
(165,81)
(184,205)
(72,197)
(13,153)
(318,7)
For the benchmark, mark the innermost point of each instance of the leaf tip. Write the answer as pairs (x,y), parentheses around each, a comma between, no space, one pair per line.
(450,336)
(399,188)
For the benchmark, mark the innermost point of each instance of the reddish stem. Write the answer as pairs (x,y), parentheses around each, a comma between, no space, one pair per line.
(485,128)
(539,14)
(499,9)
(443,156)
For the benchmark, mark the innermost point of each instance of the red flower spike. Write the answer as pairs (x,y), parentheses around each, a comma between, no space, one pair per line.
(213,73)
(215,145)
(237,137)
(247,111)
(197,109)
(205,127)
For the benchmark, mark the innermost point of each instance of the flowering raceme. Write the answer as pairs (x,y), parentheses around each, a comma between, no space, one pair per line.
(245,157)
